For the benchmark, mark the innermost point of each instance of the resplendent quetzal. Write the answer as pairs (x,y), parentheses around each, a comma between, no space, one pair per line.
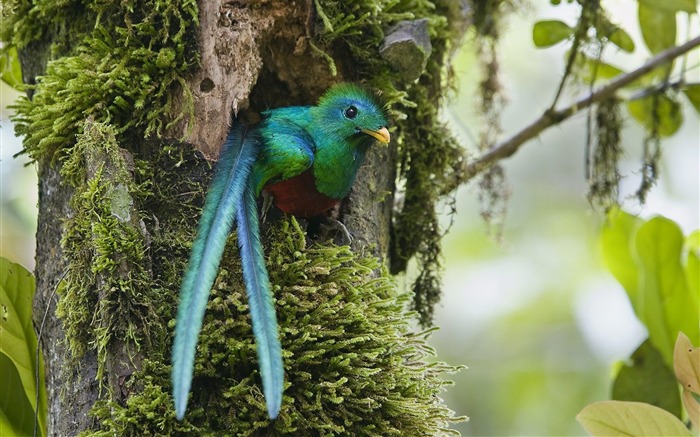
(306,158)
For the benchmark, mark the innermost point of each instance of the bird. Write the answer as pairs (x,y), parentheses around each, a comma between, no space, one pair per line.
(306,158)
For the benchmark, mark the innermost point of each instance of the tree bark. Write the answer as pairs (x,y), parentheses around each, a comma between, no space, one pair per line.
(78,384)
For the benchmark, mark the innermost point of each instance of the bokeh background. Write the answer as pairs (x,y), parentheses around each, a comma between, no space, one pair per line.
(533,314)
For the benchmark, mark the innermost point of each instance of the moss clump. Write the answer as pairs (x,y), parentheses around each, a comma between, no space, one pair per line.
(430,157)
(146,413)
(123,72)
(604,177)
(353,366)
(64,23)
(106,293)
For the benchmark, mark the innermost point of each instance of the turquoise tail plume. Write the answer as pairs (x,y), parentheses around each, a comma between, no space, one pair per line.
(262,310)
(225,194)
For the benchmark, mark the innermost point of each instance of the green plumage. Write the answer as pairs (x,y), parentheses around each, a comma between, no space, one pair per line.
(307,159)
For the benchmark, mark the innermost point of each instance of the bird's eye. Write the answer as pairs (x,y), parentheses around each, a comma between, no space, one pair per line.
(351,112)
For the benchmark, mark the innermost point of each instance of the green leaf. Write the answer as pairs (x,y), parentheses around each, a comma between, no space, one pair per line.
(618,418)
(692,92)
(622,39)
(10,68)
(648,379)
(616,238)
(689,6)
(16,413)
(546,33)
(647,259)
(594,69)
(664,303)
(19,341)
(666,111)
(658,27)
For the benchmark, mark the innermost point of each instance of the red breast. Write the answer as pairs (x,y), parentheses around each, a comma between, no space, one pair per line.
(298,196)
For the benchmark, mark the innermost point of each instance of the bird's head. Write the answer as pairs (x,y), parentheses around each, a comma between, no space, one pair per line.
(352,113)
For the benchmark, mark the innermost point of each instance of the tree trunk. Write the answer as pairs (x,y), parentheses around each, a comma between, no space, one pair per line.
(118,206)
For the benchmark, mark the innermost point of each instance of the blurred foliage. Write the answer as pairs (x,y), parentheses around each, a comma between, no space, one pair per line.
(10,68)
(657,266)
(19,369)
(653,101)
(652,259)
(627,418)
(648,379)
(620,418)
(521,379)
(531,367)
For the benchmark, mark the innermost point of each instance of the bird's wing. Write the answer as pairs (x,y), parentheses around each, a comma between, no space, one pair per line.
(288,151)
(237,157)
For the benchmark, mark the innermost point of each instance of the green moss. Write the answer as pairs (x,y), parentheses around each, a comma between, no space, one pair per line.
(147,413)
(112,71)
(430,157)
(106,292)
(64,22)
(353,366)
(123,71)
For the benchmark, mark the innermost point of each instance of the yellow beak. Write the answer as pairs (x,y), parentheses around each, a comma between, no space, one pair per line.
(382,135)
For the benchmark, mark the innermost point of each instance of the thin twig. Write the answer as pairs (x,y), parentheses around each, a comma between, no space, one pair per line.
(581,31)
(552,117)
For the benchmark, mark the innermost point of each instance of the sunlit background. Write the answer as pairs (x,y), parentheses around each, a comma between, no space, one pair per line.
(534,315)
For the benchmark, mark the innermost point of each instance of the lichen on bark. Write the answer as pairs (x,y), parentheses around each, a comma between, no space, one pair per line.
(106,297)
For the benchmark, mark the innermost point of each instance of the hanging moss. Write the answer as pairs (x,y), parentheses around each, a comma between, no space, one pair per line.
(353,366)
(652,141)
(488,18)
(430,157)
(605,177)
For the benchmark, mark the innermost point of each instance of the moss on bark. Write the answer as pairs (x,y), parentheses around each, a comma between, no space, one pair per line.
(99,113)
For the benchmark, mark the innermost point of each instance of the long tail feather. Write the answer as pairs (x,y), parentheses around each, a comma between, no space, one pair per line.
(233,169)
(262,309)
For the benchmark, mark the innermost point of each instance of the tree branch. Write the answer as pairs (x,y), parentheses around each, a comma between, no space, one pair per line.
(552,117)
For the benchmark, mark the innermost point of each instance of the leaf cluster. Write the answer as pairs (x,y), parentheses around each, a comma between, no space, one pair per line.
(623,418)
(659,269)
